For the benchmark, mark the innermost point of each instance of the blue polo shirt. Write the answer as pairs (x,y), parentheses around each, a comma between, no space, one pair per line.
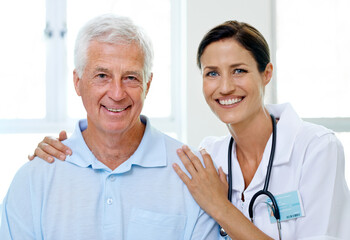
(81,198)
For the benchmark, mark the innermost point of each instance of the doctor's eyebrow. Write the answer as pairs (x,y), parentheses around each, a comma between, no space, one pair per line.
(231,66)
(238,65)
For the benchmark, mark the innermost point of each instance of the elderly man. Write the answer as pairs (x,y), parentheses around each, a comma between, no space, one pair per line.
(119,182)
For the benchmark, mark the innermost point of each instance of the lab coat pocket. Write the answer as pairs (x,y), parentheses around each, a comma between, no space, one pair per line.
(148,225)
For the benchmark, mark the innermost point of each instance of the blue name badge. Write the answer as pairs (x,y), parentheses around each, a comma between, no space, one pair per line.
(290,206)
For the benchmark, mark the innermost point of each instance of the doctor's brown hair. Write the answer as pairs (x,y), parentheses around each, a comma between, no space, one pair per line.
(249,37)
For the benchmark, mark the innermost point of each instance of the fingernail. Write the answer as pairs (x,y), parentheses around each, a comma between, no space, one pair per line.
(50,159)
(202,150)
(62,157)
(68,152)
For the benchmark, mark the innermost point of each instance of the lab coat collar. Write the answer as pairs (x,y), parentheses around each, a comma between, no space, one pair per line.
(150,153)
(287,129)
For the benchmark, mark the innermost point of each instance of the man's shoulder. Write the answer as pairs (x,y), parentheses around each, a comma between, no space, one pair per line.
(172,142)
(26,174)
(38,166)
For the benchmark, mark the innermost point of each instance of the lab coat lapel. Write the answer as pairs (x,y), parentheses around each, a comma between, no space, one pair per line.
(287,129)
(286,132)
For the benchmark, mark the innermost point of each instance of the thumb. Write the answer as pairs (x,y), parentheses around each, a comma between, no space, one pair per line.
(222,176)
(62,136)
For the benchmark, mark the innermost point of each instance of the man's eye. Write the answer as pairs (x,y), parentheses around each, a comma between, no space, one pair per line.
(101,75)
(212,74)
(132,78)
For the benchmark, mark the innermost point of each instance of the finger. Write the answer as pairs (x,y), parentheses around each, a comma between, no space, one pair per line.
(31,157)
(57,145)
(222,176)
(49,150)
(186,162)
(62,136)
(208,162)
(183,176)
(193,158)
(40,153)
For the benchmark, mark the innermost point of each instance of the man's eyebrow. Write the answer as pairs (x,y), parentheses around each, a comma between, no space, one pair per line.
(137,73)
(101,69)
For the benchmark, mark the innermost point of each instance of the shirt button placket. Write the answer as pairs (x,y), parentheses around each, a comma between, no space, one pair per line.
(109,199)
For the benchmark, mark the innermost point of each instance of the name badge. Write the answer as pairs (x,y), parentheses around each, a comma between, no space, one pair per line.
(290,206)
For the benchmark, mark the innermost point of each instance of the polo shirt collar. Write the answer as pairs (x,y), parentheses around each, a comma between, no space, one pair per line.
(150,153)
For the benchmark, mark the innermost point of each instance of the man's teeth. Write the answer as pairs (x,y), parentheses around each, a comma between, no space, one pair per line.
(230,101)
(116,110)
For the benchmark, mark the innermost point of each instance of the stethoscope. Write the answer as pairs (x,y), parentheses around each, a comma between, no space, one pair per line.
(264,191)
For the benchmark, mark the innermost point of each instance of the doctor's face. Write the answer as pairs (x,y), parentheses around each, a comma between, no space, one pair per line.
(112,87)
(232,84)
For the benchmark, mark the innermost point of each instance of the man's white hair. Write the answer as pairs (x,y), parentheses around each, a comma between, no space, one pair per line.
(113,29)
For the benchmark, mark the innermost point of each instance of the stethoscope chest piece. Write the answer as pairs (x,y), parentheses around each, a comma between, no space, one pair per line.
(223,232)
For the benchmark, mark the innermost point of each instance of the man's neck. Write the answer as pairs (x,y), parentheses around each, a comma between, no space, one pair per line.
(113,149)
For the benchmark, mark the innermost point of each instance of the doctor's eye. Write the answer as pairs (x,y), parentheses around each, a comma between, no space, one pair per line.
(212,74)
(239,71)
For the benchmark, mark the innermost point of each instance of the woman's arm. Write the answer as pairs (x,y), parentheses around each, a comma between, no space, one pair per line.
(52,147)
(209,188)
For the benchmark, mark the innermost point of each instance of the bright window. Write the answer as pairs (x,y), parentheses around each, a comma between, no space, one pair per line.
(22,60)
(312,56)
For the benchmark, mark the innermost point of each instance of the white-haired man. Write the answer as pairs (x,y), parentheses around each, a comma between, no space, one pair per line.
(119,182)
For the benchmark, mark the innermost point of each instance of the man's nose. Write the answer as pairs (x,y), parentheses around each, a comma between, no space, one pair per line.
(116,90)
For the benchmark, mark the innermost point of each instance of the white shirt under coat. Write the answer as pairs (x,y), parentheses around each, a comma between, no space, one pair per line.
(309,158)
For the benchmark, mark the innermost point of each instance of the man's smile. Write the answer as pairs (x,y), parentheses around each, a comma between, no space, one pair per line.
(115,110)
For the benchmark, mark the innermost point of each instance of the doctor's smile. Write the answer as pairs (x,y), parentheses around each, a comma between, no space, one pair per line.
(229,101)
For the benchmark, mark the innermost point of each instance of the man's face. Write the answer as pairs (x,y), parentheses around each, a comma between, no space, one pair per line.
(112,87)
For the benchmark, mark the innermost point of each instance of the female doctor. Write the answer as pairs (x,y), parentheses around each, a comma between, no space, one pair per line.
(295,165)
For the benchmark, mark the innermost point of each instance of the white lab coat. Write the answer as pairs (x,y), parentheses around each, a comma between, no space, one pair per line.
(310,159)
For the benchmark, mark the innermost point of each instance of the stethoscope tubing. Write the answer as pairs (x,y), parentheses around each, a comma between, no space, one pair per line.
(264,191)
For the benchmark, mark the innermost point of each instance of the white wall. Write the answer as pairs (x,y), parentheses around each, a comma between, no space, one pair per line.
(201,17)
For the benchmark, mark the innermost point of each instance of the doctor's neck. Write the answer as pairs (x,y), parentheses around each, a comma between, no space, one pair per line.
(252,134)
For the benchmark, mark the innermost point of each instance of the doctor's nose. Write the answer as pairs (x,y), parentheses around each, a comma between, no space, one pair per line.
(227,85)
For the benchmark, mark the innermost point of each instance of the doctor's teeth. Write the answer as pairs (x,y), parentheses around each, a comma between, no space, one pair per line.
(115,110)
(230,101)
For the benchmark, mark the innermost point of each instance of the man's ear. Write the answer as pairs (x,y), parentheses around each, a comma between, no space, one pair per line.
(148,84)
(267,75)
(76,80)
